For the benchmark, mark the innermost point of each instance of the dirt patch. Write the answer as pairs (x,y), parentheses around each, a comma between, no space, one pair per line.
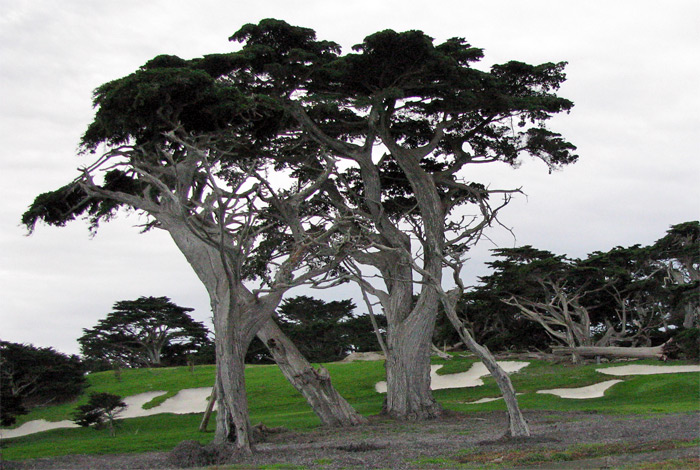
(434,444)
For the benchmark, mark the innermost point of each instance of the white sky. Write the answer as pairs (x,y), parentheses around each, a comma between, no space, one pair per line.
(633,74)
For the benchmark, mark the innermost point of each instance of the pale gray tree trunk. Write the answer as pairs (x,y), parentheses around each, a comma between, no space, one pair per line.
(408,370)
(237,316)
(210,408)
(315,385)
(233,422)
(409,337)
(691,317)
(656,352)
(517,426)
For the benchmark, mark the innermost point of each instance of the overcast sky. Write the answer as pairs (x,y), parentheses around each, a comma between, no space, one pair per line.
(633,75)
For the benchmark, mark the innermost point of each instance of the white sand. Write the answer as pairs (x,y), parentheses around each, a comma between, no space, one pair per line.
(642,369)
(484,400)
(582,393)
(190,400)
(32,427)
(134,404)
(470,378)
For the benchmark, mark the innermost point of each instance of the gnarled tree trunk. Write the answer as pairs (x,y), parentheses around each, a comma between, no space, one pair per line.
(233,422)
(408,370)
(315,385)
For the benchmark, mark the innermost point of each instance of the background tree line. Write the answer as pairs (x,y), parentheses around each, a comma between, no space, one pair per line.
(634,296)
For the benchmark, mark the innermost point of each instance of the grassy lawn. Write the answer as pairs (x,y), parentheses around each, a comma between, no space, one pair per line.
(275,403)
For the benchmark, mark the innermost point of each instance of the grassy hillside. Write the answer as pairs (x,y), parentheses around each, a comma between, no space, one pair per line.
(275,403)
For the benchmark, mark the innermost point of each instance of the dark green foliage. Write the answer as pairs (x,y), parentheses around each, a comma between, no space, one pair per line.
(146,331)
(412,86)
(323,331)
(685,344)
(101,410)
(678,254)
(10,406)
(143,105)
(492,323)
(65,204)
(31,376)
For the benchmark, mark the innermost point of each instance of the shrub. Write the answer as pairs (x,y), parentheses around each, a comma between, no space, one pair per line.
(101,409)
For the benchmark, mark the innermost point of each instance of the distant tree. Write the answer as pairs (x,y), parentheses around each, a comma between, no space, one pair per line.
(31,376)
(678,253)
(323,331)
(626,288)
(148,331)
(548,289)
(361,334)
(316,326)
(101,410)
(494,324)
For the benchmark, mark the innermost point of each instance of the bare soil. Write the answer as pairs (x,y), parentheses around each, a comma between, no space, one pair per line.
(384,444)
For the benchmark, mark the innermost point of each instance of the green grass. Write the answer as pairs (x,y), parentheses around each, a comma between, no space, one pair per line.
(275,402)
(641,394)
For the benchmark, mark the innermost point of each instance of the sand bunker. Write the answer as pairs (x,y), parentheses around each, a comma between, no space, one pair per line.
(641,369)
(134,404)
(582,393)
(32,427)
(470,378)
(484,400)
(192,400)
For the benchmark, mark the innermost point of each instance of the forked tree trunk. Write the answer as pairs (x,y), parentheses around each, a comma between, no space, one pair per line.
(315,385)
(408,371)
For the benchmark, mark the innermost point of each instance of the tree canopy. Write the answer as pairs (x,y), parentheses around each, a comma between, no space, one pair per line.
(201,146)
